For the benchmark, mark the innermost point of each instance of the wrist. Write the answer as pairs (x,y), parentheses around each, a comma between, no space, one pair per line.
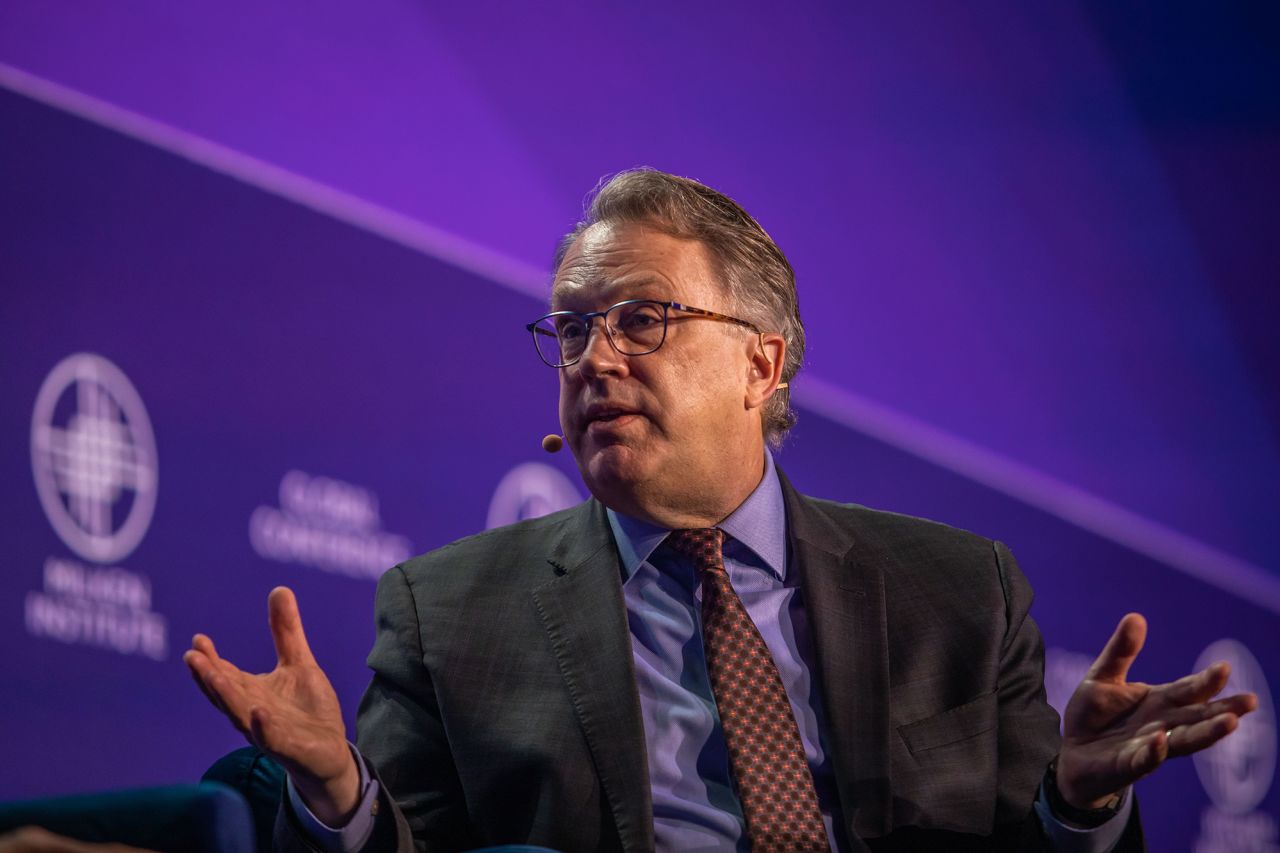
(1069,805)
(333,801)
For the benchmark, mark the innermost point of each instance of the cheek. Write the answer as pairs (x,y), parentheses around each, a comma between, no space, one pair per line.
(702,393)
(565,405)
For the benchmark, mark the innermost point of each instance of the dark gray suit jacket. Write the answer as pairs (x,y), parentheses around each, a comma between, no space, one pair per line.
(503,706)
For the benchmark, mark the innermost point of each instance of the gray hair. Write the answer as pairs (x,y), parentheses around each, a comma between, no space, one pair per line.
(756,275)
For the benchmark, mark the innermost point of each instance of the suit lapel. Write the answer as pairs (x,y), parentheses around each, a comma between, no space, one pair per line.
(585,617)
(842,577)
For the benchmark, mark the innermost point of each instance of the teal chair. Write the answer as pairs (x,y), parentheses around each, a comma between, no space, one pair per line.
(204,818)
(261,782)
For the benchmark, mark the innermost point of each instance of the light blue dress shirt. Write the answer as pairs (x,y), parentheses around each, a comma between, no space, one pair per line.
(694,805)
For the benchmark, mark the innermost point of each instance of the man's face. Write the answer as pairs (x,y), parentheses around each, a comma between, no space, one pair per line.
(656,428)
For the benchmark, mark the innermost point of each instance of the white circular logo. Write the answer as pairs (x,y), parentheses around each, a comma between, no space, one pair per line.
(94,458)
(1237,770)
(529,491)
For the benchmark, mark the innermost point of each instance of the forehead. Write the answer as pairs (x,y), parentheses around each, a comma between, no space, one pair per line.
(609,263)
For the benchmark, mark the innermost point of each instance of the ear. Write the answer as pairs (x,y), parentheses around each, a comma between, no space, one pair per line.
(764,368)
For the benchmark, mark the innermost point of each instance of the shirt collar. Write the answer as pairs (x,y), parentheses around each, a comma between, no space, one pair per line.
(759,523)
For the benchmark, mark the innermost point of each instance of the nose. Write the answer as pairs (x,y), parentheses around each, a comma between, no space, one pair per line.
(600,357)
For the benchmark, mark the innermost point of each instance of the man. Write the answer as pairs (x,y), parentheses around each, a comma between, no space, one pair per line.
(700,657)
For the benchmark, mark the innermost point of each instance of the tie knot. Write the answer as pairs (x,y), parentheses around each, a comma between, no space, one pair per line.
(701,545)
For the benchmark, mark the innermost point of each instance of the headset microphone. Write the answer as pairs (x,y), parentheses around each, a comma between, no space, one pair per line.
(552,443)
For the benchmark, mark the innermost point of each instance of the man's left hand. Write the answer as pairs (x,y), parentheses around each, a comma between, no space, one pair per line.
(1116,731)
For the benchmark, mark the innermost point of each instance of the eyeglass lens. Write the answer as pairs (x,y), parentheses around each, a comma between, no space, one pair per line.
(635,328)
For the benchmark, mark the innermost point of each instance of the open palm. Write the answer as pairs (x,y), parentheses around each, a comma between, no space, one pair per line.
(291,713)
(1116,731)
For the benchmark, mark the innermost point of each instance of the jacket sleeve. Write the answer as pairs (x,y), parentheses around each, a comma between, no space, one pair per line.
(400,732)
(401,738)
(1029,731)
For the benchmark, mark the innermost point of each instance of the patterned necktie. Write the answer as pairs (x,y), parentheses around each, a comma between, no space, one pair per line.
(766,754)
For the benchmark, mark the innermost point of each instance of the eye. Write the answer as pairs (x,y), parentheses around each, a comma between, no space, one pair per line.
(570,328)
(640,318)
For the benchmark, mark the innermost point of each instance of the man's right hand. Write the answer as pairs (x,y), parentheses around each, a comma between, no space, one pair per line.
(290,713)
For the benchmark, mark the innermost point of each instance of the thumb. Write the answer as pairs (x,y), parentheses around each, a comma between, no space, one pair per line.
(286,628)
(1113,663)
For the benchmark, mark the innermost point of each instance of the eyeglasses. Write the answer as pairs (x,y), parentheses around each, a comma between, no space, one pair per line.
(634,327)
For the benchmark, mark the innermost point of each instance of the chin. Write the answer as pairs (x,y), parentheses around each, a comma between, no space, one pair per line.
(613,468)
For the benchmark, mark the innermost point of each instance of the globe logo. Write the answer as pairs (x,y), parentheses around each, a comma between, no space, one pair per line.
(93,456)
(529,491)
(1236,772)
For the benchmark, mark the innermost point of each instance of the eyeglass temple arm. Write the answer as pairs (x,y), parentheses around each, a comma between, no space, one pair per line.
(718,316)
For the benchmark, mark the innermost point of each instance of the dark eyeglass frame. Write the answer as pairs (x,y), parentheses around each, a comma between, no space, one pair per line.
(588,321)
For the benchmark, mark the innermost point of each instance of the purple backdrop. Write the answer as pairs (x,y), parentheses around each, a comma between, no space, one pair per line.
(1036,263)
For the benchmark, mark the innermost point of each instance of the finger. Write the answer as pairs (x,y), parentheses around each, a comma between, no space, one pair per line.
(1189,739)
(1200,686)
(1194,688)
(1239,704)
(286,627)
(231,701)
(201,667)
(261,732)
(205,669)
(208,694)
(259,719)
(273,740)
(1148,752)
(1133,758)
(35,839)
(195,661)
(203,643)
(204,666)
(1118,655)
(226,686)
